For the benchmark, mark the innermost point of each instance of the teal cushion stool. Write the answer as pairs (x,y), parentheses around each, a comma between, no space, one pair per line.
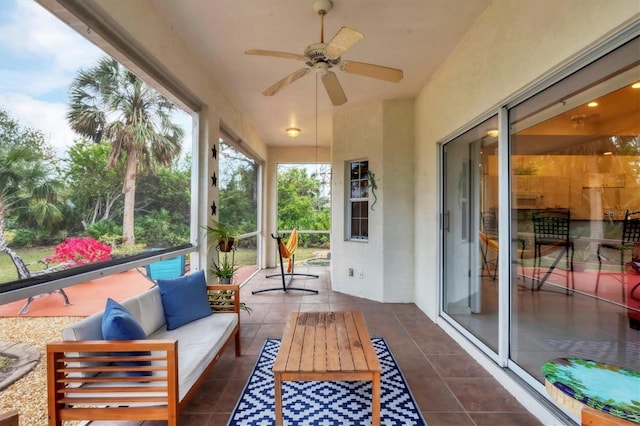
(608,388)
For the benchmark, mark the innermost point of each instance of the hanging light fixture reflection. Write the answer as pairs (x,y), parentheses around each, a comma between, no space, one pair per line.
(293,132)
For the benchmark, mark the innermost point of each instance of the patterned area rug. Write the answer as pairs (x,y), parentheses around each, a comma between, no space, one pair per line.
(326,403)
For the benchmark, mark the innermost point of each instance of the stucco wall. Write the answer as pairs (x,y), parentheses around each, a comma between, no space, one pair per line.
(381,133)
(357,134)
(397,185)
(513,45)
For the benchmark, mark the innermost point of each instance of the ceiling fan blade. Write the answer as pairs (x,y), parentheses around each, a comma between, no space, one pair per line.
(284,55)
(342,41)
(286,81)
(373,71)
(334,89)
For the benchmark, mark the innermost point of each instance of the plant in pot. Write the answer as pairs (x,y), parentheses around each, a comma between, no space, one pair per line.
(224,270)
(220,235)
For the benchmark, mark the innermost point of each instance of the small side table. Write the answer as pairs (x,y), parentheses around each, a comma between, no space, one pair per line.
(610,389)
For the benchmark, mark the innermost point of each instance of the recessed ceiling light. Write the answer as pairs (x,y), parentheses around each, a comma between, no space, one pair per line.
(592,104)
(293,132)
(493,133)
(636,85)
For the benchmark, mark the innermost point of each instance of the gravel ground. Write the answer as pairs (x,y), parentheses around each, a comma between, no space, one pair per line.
(29,394)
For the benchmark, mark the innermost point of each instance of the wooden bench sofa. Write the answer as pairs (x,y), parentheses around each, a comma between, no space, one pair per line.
(89,378)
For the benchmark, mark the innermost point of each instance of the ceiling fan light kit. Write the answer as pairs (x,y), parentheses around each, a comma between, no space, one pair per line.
(322,56)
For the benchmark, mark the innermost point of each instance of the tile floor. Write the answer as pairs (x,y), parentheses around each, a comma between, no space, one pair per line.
(448,385)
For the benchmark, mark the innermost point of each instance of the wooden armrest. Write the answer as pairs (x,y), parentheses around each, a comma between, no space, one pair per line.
(168,345)
(593,417)
(9,418)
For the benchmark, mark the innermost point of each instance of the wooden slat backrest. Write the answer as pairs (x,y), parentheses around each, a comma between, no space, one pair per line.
(224,297)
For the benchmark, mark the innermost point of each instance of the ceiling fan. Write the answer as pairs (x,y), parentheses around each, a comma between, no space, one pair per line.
(324,56)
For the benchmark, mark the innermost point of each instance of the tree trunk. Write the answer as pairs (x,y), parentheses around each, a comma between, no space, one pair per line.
(129,191)
(21,268)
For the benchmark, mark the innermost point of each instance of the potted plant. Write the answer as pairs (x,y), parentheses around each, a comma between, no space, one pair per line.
(220,235)
(224,270)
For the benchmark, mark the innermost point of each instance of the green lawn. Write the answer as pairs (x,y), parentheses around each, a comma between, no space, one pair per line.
(8,270)
(245,257)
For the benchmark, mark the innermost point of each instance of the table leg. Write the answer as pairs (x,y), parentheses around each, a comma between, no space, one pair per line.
(277,380)
(375,399)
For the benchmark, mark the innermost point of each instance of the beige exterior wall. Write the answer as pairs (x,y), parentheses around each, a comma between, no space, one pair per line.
(513,45)
(381,133)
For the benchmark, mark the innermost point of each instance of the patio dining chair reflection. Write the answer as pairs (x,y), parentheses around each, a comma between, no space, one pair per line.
(551,230)
(630,235)
(489,243)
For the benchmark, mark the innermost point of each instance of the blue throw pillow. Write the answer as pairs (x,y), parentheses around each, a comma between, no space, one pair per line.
(119,324)
(184,299)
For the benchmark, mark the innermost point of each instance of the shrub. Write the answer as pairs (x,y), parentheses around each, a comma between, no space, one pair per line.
(161,229)
(105,227)
(24,238)
(80,251)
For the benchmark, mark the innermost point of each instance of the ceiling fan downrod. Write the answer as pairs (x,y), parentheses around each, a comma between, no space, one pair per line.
(322,7)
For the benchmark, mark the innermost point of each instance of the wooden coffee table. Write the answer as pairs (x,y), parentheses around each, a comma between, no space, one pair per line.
(327,346)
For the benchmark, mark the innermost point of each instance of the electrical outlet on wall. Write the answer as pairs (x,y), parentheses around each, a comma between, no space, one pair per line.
(350,272)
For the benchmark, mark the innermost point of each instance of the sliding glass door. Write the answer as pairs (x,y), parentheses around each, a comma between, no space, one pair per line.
(470,232)
(575,179)
(571,184)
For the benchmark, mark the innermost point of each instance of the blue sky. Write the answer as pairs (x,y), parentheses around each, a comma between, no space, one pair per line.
(39,57)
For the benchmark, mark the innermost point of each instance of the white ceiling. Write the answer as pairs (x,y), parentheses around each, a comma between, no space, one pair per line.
(412,35)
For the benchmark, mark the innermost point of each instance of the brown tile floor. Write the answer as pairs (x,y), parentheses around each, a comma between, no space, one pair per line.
(449,386)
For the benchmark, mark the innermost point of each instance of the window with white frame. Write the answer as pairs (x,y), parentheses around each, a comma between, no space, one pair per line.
(358,210)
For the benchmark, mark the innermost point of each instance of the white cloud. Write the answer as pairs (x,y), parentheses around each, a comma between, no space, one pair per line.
(44,54)
(47,117)
(40,57)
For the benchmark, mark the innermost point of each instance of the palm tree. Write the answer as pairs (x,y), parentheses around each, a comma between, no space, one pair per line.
(27,184)
(109,102)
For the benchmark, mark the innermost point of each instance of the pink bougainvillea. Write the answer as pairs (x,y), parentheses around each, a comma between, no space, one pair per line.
(80,251)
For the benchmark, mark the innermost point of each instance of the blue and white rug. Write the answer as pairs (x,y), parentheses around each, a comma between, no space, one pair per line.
(325,403)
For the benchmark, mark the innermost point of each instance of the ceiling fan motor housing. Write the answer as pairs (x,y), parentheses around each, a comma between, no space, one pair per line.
(316,53)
